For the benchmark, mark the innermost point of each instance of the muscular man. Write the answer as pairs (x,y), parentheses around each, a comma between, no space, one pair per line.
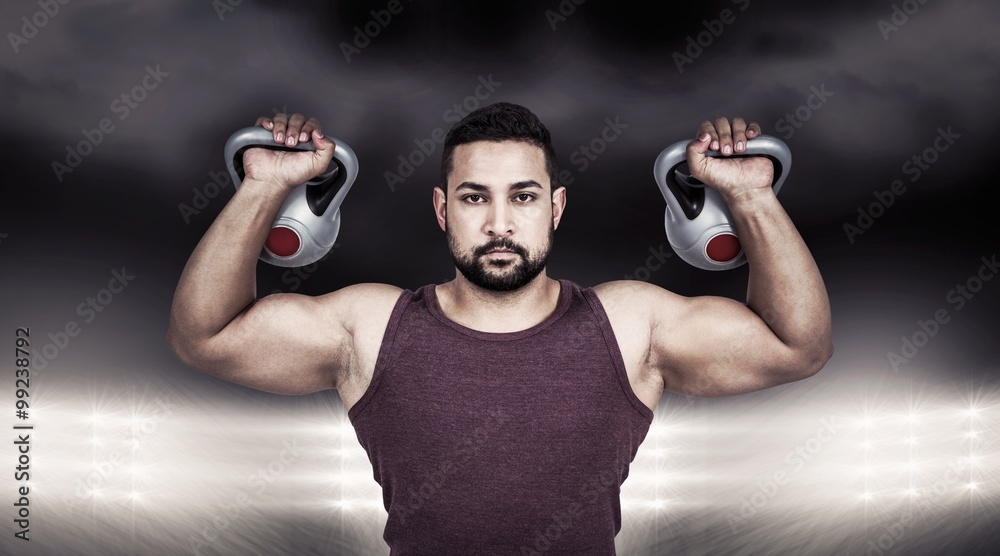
(501,410)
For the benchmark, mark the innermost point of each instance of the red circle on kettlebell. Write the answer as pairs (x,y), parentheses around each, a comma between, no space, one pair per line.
(283,241)
(723,248)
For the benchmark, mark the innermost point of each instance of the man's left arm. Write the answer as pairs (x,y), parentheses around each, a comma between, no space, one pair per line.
(712,346)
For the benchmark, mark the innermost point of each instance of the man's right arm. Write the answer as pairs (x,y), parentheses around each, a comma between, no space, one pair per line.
(282,343)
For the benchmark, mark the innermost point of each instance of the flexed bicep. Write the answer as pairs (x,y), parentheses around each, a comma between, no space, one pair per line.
(713,346)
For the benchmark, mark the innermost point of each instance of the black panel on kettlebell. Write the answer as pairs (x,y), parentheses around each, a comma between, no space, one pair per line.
(320,194)
(682,185)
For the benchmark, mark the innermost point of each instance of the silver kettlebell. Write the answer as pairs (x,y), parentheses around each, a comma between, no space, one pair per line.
(308,222)
(698,223)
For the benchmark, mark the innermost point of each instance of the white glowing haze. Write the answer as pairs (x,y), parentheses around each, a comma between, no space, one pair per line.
(830,464)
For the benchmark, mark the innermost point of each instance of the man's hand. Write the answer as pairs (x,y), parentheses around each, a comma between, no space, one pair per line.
(289,169)
(732,177)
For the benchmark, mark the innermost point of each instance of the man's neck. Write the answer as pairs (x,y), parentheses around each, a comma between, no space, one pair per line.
(493,311)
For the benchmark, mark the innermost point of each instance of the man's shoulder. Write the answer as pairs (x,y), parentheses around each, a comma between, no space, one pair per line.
(371,291)
(636,291)
(636,300)
(360,306)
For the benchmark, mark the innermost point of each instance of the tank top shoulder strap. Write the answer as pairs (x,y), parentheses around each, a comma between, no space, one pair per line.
(614,349)
(385,350)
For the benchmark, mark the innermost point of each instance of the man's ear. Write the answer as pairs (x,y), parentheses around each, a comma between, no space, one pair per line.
(440,208)
(558,205)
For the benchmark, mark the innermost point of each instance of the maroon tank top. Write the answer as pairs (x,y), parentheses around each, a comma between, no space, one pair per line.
(490,443)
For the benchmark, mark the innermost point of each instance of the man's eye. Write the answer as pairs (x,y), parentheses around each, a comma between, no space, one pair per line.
(523,197)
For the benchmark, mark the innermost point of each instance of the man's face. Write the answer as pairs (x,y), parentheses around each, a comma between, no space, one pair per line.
(499,198)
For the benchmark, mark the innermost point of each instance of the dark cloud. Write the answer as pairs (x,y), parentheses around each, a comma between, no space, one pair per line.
(603,60)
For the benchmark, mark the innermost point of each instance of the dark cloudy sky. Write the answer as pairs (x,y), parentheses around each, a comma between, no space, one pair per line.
(892,81)
(888,98)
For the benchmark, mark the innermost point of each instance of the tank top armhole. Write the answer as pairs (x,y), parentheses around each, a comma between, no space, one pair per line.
(384,355)
(611,342)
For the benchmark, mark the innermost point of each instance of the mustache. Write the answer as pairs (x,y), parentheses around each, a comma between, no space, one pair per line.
(509,245)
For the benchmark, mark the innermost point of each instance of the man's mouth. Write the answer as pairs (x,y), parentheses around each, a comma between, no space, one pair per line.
(501,254)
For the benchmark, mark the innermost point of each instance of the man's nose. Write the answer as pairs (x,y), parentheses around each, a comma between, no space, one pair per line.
(499,221)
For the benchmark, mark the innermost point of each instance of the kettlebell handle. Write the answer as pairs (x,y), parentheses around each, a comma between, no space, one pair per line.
(762,145)
(257,136)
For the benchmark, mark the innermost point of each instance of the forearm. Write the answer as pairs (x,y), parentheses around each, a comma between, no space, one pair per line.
(785,287)
(219,280)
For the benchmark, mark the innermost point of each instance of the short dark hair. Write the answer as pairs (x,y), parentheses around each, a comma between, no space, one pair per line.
(502,121)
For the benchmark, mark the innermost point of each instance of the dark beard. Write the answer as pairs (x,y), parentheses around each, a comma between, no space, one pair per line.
(518,271)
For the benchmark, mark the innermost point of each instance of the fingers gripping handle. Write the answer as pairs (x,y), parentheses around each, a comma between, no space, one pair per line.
(308,222)
(764,145)
(697,220)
